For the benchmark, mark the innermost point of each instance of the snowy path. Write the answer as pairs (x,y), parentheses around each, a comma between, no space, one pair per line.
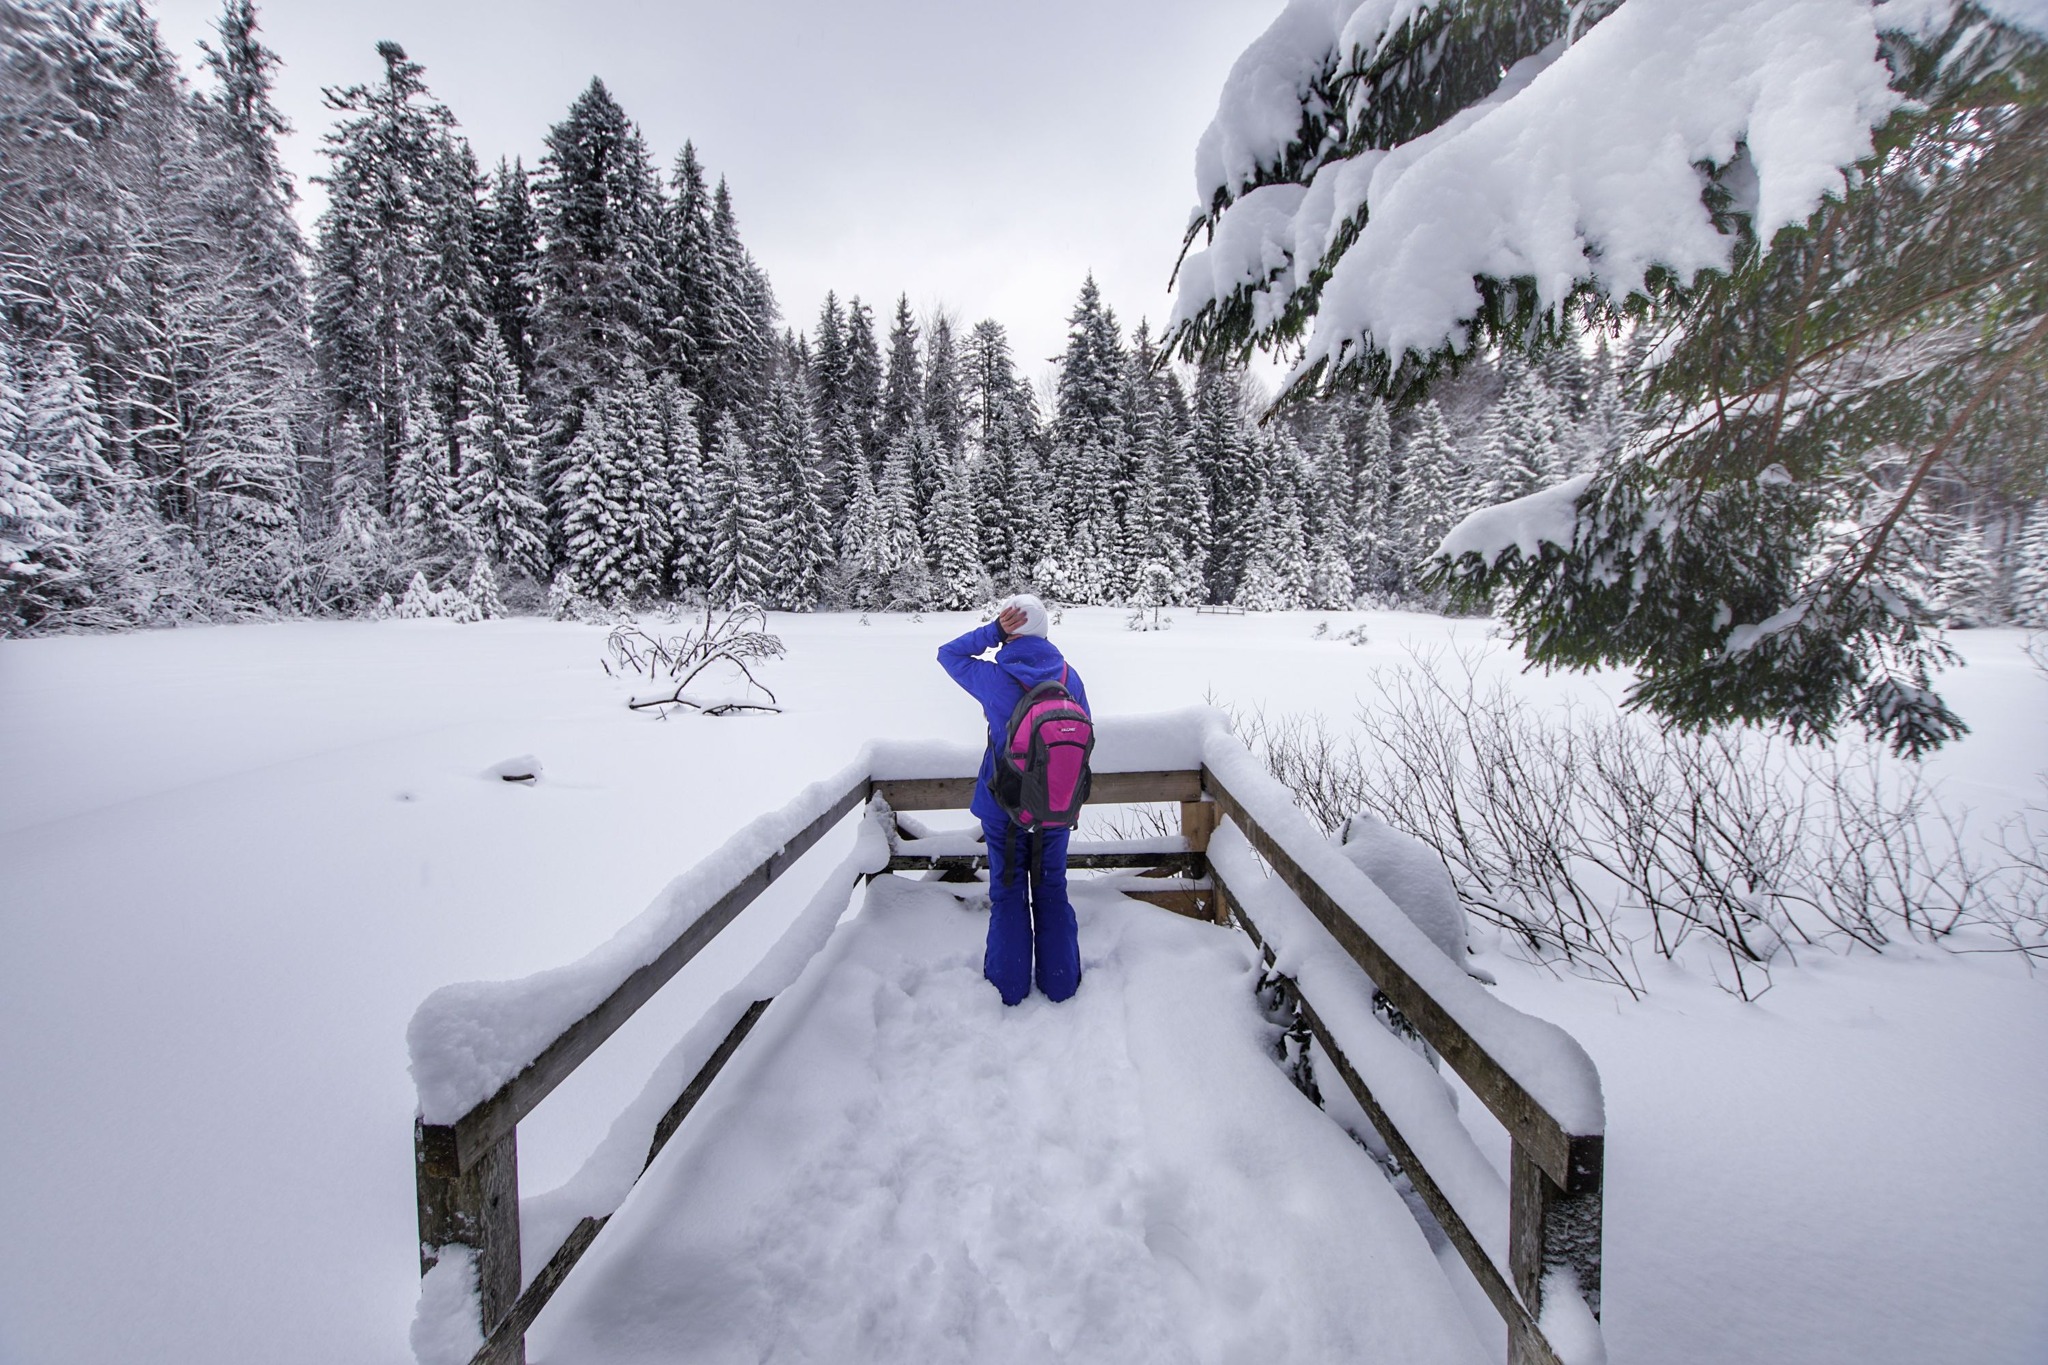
(897,1168)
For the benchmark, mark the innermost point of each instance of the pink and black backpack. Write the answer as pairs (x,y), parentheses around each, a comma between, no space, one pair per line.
(1041,775)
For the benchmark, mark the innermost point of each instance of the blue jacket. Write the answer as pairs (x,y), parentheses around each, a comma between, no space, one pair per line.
(1021,665)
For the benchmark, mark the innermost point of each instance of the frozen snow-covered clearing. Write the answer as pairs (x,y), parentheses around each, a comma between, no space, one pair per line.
(233,861)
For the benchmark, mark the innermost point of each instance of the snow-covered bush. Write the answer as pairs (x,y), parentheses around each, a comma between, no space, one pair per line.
(1592,838)
(448,603)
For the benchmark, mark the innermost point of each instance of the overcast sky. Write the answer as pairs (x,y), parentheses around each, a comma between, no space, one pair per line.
(978,156)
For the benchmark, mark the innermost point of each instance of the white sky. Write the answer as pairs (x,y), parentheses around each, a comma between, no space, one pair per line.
(981,157)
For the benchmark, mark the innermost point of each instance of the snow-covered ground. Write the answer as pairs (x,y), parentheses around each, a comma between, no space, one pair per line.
(232,862)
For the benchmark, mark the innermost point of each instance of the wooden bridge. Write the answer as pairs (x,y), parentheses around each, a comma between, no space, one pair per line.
(1243,856)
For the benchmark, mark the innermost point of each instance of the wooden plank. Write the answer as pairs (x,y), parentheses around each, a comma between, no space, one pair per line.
(954,793)
(478,1209)
(1197,823)
(1572,1160)
(1181,864)
(701,1082)
(451,1149)
(1519,1318)
(506,1345)
(1193,904)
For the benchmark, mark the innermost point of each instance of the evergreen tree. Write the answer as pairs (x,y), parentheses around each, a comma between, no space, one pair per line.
(64,431)
(593,514)
(740,358)
(894,570)
(482,590)
(423,497)
(1519,452)
(691,305)
(1812,338)
(945,405)
(736,568)
(798,531)
(37,550)
(511,265)
(864,380)
(1376,540)
(681,459)
(1426,511)
(958,579)
(1262,586)
(496,499)
(903,399)
(860,555)
(600,211)
(2030,574)
(1222,457)
(376,337)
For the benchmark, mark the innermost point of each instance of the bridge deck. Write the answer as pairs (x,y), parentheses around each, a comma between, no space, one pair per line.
(897,1168)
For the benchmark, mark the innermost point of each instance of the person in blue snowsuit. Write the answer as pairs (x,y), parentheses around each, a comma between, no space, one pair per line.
(1039,930)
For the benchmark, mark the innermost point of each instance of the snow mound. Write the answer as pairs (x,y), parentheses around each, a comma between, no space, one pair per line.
(521,768)
(1413,877)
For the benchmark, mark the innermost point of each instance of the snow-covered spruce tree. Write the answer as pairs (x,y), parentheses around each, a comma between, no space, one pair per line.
(381,267)
(423,497)
(691,312)
(38,554)
(736,556)
(891,571)
(958,579)
(1519,450)
(2030,573)
(599,207)
(1221,452)
(593,509)
(1375,528)
(742,358)
(511,263)
(1261,585)
(799,536)
(902,405)
(482,591)
(682,462)
(62,427)
(1828,318)
(1963,587)
(495,495)
(1431,470)
(646,495)
(864,380)
(945,401)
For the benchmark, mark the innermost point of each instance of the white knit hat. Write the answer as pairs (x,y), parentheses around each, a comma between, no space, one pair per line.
(1034,613)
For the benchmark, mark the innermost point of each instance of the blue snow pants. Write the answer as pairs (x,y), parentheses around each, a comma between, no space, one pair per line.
(1040,929)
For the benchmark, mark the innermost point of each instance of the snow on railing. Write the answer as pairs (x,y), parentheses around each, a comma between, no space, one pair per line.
(485,1053)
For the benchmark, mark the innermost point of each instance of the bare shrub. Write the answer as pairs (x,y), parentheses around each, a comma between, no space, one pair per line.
(738,637)
(1588,835)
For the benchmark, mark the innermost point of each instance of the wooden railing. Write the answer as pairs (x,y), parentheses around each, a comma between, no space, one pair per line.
(467,1171)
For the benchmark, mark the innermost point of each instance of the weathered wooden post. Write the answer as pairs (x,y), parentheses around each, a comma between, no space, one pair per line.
(1197,823)
(477,1208)
(1553,1227)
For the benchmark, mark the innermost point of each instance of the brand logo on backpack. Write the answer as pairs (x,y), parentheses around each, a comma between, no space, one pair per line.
(1042,772)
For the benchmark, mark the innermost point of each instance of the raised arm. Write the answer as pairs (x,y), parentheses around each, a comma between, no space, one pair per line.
(958,658)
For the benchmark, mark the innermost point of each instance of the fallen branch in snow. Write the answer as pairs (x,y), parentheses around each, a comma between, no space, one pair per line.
(716,708)
(739,638)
